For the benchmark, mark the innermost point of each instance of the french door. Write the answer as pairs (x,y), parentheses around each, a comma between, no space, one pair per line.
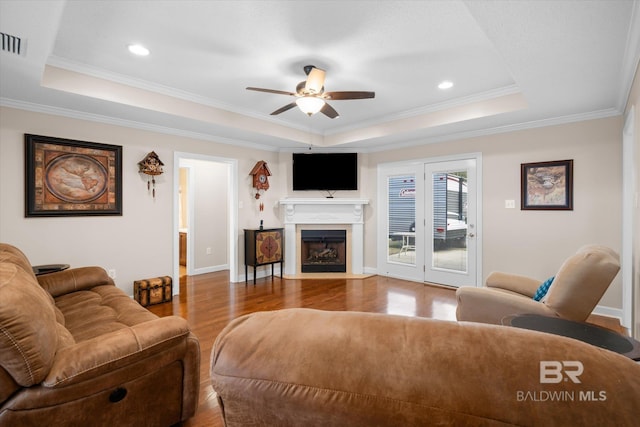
(401,251)
(451,222)
(428,229)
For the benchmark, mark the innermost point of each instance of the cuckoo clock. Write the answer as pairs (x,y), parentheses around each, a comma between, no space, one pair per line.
(261,174)
(151,166)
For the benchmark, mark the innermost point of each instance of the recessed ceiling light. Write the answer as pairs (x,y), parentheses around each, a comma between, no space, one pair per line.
(138,49)
(447,84)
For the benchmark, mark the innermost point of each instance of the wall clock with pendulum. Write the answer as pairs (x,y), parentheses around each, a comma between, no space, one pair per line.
(261,174)
(151,166)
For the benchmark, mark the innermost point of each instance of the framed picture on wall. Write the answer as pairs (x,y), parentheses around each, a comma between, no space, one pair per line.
(65,177)
(547,185)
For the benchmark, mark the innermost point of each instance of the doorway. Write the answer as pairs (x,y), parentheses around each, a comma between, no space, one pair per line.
(429,224)
(205,214)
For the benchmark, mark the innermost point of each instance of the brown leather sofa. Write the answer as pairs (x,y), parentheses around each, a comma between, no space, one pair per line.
(75,350)
(303,367)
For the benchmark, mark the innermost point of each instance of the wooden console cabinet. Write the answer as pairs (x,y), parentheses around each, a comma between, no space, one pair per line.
(263,247)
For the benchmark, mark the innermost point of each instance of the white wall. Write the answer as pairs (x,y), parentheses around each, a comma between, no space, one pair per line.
(183,221)
(138,244)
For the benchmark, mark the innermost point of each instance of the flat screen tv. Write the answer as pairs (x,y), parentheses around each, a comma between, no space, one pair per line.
(325,171)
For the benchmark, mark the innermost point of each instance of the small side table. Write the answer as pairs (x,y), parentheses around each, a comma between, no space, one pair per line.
(39,270)
(586,332)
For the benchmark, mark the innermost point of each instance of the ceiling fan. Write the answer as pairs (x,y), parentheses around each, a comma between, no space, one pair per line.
(311,97)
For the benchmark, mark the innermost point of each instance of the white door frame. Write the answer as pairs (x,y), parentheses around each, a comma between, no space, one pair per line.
(232,213)
(382,241)
(628,195)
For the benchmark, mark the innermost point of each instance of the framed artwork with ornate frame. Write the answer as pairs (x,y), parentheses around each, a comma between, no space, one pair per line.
(547,185)
(64,177)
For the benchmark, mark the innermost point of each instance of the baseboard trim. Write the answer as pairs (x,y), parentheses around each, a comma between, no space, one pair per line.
(609,312)
(370,270)
(212,269)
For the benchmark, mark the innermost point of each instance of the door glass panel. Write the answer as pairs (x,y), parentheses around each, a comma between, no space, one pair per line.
(402,219)
(450,221)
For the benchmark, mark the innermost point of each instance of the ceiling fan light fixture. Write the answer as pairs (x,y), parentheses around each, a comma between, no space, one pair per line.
(310,104)
(310,95)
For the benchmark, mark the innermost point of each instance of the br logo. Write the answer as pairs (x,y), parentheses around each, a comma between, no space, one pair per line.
(553,371)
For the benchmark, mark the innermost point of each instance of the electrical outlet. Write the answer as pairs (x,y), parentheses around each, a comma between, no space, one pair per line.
(112,273)
(208,251)
(510,204)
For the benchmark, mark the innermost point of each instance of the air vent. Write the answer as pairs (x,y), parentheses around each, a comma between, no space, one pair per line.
(12,44)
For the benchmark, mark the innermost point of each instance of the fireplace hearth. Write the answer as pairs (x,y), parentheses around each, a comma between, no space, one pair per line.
(323,251)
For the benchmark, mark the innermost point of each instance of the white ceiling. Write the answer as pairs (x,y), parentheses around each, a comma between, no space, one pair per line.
(515,64)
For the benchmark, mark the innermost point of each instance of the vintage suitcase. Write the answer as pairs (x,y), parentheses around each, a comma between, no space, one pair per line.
(153,291)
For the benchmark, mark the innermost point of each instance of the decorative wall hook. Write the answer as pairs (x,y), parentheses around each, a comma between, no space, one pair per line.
(151,165)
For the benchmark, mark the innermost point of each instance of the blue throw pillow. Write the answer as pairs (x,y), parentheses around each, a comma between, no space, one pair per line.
(543,289)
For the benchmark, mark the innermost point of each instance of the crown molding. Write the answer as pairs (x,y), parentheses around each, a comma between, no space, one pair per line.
(79,115)
(555,121)
(73,114)
(432,108)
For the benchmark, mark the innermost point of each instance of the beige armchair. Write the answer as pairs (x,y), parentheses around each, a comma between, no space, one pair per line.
(574,293)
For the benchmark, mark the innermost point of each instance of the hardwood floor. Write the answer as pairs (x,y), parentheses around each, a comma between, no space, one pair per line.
(209,302)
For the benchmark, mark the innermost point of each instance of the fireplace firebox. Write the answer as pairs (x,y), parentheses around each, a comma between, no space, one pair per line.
(323,251)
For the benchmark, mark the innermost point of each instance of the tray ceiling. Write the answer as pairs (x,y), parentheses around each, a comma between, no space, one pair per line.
(513,64)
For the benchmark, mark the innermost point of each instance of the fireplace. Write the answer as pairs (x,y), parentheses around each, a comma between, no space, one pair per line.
(323,251)
(322,214)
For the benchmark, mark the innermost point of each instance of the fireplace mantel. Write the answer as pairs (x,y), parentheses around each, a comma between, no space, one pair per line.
(311,211)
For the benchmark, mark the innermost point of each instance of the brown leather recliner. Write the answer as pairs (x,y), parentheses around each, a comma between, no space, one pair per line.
(75,350)
(302,367)
(575,291)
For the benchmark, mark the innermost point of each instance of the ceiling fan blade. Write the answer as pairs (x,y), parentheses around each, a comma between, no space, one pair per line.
(283,109)
(315,81)
(348,95)
(329,111)
(278,92)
